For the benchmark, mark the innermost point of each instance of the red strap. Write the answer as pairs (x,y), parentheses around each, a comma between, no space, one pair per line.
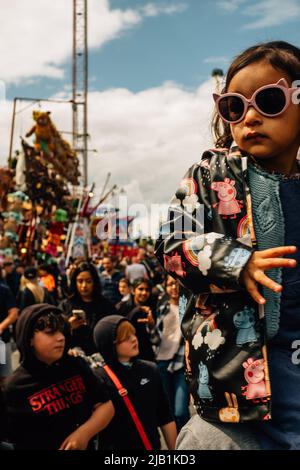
(124,394)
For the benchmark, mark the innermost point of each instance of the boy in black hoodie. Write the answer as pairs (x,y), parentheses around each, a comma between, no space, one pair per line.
(116,341)
(53,400)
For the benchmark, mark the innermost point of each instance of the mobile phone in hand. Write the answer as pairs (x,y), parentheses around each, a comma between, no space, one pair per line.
(79,314)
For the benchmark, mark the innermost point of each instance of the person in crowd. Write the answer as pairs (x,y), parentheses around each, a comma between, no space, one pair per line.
(47,280)
(124,289)
(110,278)
(8,316)
(53,400)
(140,309)
(135,270)
(85,305)
(11,277)
(242,258)
(31,292)
(116,341)
(170,353)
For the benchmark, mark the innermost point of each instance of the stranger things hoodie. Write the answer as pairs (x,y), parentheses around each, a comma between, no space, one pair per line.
(44,404)
(145,390)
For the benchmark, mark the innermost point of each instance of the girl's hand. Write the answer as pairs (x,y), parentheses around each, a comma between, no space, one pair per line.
(76,322)
(261,261)
(149,319)
(75,441)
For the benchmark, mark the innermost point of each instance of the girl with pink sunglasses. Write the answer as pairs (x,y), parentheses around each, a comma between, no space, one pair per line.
(232,240)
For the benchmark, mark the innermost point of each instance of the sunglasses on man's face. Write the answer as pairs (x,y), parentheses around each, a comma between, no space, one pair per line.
(269,100)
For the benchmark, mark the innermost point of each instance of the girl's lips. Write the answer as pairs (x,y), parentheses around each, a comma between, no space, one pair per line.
(254,135)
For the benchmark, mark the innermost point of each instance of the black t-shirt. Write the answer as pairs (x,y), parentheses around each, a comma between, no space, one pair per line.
(48,403)
(7,301)
(145,390)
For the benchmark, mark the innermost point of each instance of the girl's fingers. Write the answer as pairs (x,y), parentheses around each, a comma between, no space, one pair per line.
(278,251)
(277,263)
(265,281)
(251,287)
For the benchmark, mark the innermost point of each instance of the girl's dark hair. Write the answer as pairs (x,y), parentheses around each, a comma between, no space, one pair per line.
(141,280)
(280,54)
(90,268)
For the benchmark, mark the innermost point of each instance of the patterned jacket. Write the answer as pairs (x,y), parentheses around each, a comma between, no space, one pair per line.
(205,244)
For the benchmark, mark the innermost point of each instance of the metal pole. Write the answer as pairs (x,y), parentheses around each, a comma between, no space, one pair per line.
(74,82)
(12,132)
(80,84)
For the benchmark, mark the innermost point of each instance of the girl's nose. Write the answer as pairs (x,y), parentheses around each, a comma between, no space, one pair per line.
(252,116)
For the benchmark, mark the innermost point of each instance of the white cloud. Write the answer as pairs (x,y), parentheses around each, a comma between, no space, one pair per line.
(37,35)
(230,5)
(268,12)
(153,10)
(147,140)
(272,13)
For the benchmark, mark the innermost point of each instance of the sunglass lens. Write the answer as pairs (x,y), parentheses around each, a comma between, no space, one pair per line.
(271,100)
(231,108)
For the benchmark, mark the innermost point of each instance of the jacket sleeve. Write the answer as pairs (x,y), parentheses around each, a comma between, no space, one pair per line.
(193,245)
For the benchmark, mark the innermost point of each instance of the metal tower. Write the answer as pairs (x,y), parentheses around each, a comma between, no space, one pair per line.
(80,85)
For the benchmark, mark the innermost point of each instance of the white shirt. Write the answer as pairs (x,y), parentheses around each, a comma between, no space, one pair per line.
(171,335)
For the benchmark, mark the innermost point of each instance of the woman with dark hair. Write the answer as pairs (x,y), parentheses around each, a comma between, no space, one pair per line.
(140,310)
(85,306)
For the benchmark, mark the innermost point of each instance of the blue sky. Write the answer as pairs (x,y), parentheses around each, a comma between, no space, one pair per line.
(150,86)
(183,46)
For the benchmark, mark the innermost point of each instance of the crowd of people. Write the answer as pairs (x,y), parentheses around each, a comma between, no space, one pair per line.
(102,358)
(61,328)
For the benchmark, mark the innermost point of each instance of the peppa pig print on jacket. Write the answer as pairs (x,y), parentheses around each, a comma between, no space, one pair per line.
(228,204)
(255,376)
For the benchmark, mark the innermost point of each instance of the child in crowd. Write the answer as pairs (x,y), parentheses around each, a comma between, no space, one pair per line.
(116,341)
(242,323)
(53,401)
